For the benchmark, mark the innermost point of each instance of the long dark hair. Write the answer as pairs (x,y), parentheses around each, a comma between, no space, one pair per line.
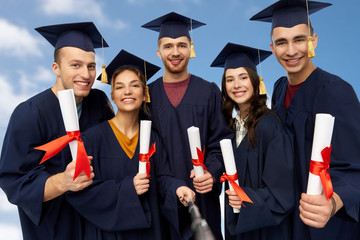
(144,110)
(257,110)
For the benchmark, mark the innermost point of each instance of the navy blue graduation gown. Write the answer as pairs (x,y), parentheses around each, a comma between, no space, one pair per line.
(199,107)
(323,92)
(266,174)
(33,123)
(111,206)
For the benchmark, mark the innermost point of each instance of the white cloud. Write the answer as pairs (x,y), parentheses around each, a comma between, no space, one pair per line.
(81,8)
(44,74)
(17,41)
(8,100)
(5,206)
(10,232)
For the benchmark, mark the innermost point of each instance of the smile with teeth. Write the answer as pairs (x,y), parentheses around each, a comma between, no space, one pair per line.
(239,93)
(295,60)
(175,61)
(127,100)
(82,83)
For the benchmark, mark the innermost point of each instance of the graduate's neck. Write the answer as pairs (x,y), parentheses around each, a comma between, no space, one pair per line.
(301,76)
(175,77)
(127,123)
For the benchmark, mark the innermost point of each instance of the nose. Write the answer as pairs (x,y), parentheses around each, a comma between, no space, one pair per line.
(85,73)
(127,90)
(291,49)
(175,51)
(237,83)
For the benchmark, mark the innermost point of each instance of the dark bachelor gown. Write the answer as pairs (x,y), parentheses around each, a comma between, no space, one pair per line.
(323,92)
(111,206)
(199,107)
(266,174)
(33,123)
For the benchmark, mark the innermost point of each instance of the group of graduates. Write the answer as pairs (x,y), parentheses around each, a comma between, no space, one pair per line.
(272,147)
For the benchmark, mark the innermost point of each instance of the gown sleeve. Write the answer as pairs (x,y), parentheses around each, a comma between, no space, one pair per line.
(21,176)
(339,99)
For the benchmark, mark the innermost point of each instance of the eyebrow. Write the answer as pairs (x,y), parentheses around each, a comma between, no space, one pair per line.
(132,81)
(80,61)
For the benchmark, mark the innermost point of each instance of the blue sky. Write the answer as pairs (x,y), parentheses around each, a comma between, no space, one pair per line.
(26,58)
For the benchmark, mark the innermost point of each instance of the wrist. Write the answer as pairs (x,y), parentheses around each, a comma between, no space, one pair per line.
(333,210)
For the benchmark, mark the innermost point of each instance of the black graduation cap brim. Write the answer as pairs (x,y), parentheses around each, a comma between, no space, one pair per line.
(83,35)
(298,14)
(173,25)
(124,58)
(241,56)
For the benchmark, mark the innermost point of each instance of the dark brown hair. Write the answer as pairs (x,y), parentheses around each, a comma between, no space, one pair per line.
(257,110)
(144,110)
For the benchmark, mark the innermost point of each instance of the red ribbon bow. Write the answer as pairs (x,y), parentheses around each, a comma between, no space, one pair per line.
(241,194)
(146,158)
(54,147)
(320,169)
(200,160)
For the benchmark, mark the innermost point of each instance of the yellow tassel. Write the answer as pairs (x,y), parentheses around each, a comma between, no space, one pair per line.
(262,89)
(104,78)
(147,95)
(192,51)
(311,49)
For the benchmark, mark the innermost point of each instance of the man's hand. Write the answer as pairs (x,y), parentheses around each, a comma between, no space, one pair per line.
(63,182)
(204,183)
(316,210)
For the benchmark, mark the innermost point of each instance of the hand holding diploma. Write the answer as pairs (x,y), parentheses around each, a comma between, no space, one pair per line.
(141,183)
(204,183)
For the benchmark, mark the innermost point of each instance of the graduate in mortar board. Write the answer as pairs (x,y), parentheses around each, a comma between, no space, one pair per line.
(122,203)
(297,98)
(262,150)
(181,100)
(36,189)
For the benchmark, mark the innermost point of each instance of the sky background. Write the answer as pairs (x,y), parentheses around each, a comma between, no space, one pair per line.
(26,58)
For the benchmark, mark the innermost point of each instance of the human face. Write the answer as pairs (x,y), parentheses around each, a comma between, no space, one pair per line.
(175,53)
(75,70)
(238,87)
(128,92)
(290,47)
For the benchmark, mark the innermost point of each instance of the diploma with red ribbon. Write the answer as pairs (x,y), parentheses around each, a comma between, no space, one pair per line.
(72,137)
(145,152)
(319,178)
(231,173)
(197,155)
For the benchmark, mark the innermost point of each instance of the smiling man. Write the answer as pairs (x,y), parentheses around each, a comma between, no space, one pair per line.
(36,189)
(180,100)
(297,98)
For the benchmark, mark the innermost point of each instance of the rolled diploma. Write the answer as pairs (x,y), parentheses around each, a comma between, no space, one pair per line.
(70,116)
(324,124)
(229,162)
(194,141)
(145,130)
